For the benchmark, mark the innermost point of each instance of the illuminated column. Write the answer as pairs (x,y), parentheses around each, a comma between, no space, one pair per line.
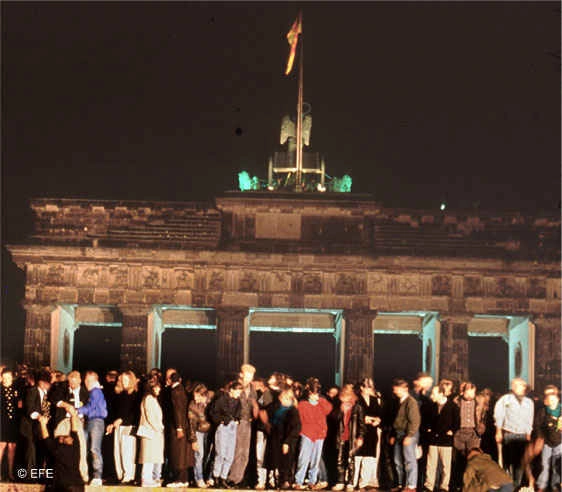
(454,348)
(230,342)
(133,338)
(37,341)
(358,344)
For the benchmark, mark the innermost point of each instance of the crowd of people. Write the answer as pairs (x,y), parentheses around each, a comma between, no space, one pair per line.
(276,433)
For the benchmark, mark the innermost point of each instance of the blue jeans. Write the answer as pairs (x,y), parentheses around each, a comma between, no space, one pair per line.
(95,429)
(225,445)
(508,487)
(309,455)
(199,455)
(405,458)
(550,458)
(322,472)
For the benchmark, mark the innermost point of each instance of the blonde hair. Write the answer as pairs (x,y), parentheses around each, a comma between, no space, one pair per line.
(248,368)
(133,383)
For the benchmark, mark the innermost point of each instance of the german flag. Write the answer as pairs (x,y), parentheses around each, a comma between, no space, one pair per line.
(292,38)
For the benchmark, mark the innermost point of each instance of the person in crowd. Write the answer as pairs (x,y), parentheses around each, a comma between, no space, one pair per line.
(548,425)
(108,388)
(95,411)
(9,403)
(248,412)
(468,435)
(350,419)
(65,451)
(388,477)
(366,457)
(283,427)
(313,411)
(270,393)
(448,385)
(124,419)
(225,413)
(487,437)
(200,426)
(73,392)
(151,434)
(483,474)
(406,436)
(422,386)
(444,422)
(514,415)
(177,430)
(36,403)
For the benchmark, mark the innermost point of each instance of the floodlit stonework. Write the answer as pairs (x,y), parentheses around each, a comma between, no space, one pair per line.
(461,274)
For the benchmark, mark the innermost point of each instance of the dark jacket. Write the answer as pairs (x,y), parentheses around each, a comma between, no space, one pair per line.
(443,422)
(67,462)
(408,417)
(225,409)
(62,392)
(546,427)
(374,409)
(177,416)
(356,423)
(126,406)
(282,430)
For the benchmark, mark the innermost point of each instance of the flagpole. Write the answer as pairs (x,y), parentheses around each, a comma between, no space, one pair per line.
(299,114)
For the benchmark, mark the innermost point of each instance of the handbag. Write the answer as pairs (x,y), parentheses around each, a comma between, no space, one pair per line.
(145,431)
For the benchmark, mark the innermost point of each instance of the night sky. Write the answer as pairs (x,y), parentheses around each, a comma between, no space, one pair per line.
(417,102)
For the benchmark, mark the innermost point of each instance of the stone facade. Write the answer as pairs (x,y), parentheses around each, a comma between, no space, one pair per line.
(304,251)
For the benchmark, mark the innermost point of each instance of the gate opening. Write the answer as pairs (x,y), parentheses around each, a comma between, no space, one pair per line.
(299,342)
(97,348)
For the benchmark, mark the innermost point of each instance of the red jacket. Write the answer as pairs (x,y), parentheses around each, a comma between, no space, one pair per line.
(313,418)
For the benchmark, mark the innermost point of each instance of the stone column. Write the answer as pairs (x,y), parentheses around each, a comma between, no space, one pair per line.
(454,348)
(358,360)
(37,339)
(230,342)
(133,338)
(547,351)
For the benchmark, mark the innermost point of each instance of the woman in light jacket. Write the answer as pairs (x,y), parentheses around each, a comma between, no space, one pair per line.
(151,432)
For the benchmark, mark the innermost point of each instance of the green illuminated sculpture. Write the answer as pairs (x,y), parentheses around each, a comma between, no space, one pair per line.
(245,183)
(343,184)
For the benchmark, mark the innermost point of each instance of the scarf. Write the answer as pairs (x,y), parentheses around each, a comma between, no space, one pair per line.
(279,415)
(554,412)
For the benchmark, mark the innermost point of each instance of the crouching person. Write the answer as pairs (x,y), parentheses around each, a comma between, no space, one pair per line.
(484,474)
(65,451)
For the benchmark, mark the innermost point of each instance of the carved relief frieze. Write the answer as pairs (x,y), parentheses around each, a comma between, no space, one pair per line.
(350,284)
(312,283)
(216,280)
(536,287)
(55,275)
(248,282)
(280,281)
(408,285)
(118,276)
(183,279)
(441,285)
(377,283)
(89,275)
(150,278)
(472,285)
